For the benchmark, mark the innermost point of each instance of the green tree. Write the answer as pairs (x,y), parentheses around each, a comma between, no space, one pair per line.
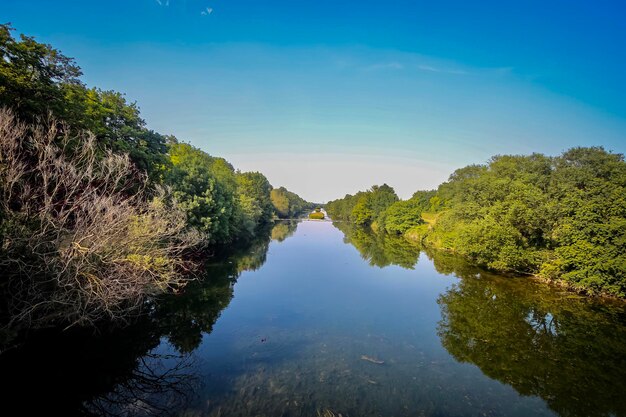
(254,198)
(37,80)
(288,204)
(204,189)
(32,75)
(560,217)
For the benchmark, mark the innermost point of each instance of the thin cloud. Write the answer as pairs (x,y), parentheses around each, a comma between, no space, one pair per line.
(207,11)
(430,68)
(385,66)
(163,3)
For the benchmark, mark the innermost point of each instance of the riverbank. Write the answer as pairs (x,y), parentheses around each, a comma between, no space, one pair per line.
(382,327)
(421,235)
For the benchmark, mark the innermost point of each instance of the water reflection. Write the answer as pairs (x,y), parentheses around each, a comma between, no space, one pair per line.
(318,332)
(183,318)
(380,249)
(567,349)
(122,371)
(284,229)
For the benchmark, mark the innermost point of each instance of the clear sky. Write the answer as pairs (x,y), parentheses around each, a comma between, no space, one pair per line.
(327,97)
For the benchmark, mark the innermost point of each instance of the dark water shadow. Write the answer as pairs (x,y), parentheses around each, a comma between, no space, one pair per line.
(120,370)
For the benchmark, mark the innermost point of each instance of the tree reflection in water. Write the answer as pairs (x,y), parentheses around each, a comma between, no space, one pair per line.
(542,341)
(566,349)
(380,249)
(119,371)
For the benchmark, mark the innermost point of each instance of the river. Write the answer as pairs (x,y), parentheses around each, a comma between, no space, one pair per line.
(323,319)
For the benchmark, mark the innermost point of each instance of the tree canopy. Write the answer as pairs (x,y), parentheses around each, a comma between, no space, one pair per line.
(67,151)
(562,217)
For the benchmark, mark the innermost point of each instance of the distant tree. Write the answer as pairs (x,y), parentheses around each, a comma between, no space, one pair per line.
(288,204)
(254,198)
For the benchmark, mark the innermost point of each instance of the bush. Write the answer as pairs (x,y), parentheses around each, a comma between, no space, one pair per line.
(317,215)
(81,240)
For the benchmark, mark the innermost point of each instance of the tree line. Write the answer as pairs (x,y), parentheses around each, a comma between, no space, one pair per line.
(99,212)
(562,218)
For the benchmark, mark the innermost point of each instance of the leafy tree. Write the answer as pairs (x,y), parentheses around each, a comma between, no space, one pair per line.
(404,215)
(254,198)
(560,217)
(205,191)
(37,81)
(401,216)
(362,214)
(118,126)
(32,75)
(364,208)
(288,204)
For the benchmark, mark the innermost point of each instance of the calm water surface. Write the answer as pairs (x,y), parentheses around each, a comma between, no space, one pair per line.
(326,320)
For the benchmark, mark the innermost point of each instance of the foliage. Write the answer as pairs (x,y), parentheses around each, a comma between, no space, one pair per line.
(116,206)
(364,208)
(32,76)
(37,81)
(117,125)
(206,189)
(288,204)
(404,215)
(78,242)
(316,215)
(254,198)
(560,217)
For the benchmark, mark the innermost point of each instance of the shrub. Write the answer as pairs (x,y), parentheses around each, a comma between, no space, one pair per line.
(81,239)
(317,215)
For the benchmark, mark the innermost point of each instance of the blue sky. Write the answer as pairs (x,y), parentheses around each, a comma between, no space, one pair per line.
(329,97)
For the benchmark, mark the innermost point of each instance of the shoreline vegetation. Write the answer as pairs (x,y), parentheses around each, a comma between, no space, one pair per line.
(99,214)
(559,219)
(317,214)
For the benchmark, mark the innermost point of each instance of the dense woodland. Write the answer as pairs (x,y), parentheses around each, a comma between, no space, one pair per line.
(562,218)
(99,212)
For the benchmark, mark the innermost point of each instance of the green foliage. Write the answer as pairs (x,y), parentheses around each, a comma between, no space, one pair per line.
(563,217)
(197,194)
(117,125)
(316,215)
(364,208)
(560,217)
(254,199)
(288,204)
(37,80)
(206,189)
(32,76)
